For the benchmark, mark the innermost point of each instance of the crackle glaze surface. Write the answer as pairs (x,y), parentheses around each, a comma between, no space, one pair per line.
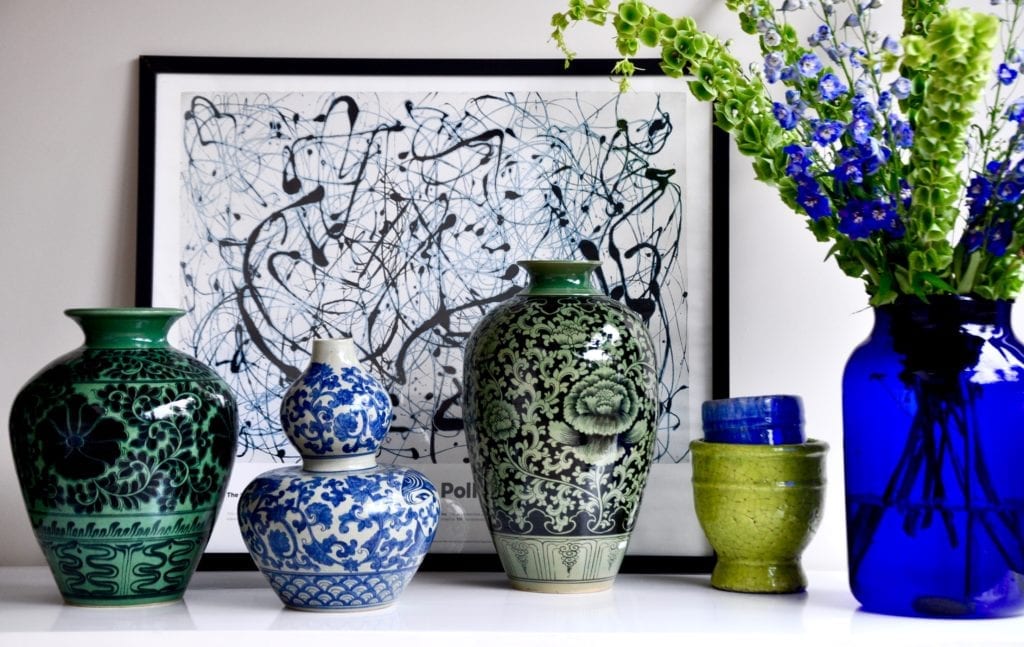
(759,506)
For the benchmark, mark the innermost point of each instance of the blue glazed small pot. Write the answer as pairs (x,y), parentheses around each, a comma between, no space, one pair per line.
(754,420)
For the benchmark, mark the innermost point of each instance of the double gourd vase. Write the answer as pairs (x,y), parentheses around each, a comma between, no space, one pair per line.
(123,449)
(560,409)
(933,408)
(339,532)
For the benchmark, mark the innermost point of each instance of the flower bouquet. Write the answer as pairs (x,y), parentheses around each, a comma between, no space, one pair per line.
(905,152)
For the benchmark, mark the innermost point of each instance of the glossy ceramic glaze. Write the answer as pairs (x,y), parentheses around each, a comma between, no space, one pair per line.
(560,410)
(759,506)
(338,533)
(123,449)
(754,420)
(336,413)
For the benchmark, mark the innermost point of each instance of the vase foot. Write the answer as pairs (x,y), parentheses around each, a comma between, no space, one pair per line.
(561,587)
(340,609)
(124,603)
(758,577)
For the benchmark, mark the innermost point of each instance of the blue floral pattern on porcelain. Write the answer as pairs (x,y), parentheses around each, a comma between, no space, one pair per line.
(331,412)
(331,540)
(340,532)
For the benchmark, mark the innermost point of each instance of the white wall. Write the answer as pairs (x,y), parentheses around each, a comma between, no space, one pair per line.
(67,185)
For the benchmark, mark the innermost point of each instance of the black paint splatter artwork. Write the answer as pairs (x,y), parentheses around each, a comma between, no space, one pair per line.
(398,220)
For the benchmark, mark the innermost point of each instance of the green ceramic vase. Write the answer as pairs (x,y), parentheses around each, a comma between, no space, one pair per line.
(560,409)
(123,449)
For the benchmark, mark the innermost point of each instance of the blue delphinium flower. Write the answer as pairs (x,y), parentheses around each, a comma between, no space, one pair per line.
(978,193)
(999,237)
(884,217)
(773,64)
(873,156)
(906,194)
(799,159)
(1009,191)
(785,115)
(1007,74)
(900,88)
(849,172)
(831,87)
(1015,111)
(814,202)
(809,193)
(859,219)
(809,66)
(902,133)
(820,36)
(827,131)
(995,238)
(852,221)
(860,129)
(892,45)
(857,56)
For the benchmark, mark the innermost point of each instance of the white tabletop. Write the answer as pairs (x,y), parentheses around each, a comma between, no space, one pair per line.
(480,609)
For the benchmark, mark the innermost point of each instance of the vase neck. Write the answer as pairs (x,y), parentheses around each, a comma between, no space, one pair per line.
(559,278)
(334,352)
(939,339)
(944,313)
(125,327)
(339,463)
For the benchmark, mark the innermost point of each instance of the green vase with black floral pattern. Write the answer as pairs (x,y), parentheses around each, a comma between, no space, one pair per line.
(123,449)
(560,408)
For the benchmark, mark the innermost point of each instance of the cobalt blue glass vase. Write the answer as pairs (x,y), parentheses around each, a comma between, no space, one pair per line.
(338,533)
(933,416)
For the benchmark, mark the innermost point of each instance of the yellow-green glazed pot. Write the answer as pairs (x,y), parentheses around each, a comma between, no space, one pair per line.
(759,506)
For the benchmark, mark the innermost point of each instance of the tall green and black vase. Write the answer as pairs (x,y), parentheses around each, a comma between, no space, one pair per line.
(123,449)
(561,409)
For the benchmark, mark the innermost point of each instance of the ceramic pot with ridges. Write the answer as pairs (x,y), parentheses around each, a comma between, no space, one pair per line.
(123,449)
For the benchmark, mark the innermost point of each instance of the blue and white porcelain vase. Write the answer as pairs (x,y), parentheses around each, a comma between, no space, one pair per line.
(339,532)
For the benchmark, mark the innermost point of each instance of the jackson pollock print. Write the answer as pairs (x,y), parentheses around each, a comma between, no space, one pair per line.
(397,218)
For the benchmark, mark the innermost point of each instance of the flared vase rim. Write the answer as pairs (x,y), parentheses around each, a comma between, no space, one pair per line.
(553,264)
(127,311)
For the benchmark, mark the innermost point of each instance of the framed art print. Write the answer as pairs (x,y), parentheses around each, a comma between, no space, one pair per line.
(284,200)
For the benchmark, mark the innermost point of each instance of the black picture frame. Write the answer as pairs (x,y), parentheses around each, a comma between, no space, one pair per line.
(153,68)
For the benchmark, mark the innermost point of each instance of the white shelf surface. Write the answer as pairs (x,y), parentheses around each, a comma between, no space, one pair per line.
(480,609)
